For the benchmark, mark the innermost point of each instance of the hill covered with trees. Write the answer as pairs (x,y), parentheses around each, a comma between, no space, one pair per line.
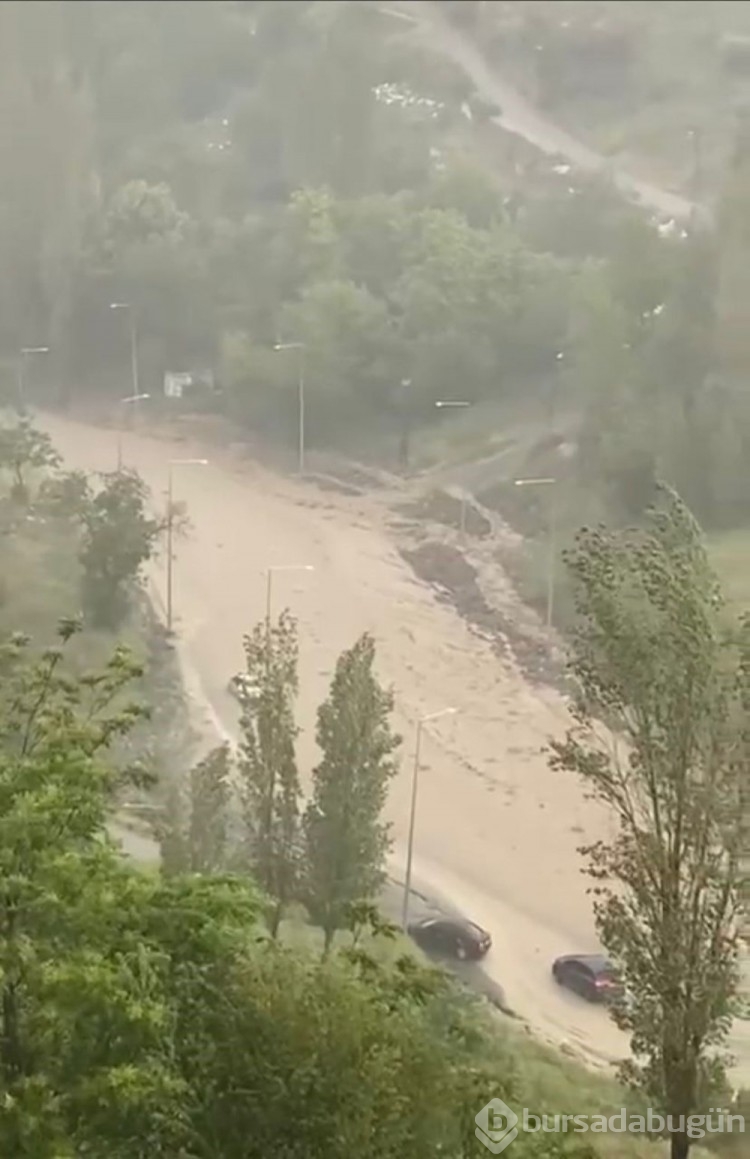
(314,173)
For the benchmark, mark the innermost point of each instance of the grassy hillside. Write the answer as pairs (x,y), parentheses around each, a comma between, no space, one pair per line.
(656,83)
(547,1081)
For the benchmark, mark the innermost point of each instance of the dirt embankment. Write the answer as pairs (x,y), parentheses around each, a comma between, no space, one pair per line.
(456,546)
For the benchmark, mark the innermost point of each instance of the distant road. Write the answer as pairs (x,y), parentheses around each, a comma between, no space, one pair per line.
(518,114)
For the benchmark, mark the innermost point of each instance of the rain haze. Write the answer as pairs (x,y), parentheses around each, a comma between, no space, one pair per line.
(374,576)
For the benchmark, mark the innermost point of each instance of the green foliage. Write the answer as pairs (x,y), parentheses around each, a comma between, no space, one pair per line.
(309,175)
(652,662)
(191,823)
(38,698)
(353,1052)
(64,496)
(267,764)
(380,294)
(118,539)
(149,1015)
(47,155)
(59,880)
(170,828)
(23,449)
(145,1015)
(346,841)
(349,339)
(109,526)
(209,813)
(140,213)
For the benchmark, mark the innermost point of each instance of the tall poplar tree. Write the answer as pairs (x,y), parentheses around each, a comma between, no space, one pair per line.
(267,763)
(346,840)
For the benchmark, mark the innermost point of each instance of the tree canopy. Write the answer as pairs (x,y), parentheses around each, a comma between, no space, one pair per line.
(656,670)
(309,172)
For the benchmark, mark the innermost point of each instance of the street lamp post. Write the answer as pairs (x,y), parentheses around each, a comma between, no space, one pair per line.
(405,416)
(413,814)
(694,136)
(300,346)
(24,353)
(269,582)
(170,525)
(131,399)
(547,482)
(134,374)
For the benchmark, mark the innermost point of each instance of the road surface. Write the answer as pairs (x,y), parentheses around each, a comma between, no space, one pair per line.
(518,114)
(497,831)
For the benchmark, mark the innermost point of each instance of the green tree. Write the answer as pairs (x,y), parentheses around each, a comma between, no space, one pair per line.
(139,213)
(653,662)
(353,1046)
(170,824)
(317,116)
(267,763)
(23,449)
(679,371)
(49,189)
(59,878)
(145,250)
(350,347)
(103,968)
(472,190)
(307,246)
(346,841)
(210,796)
(147,1015)
(617,439)
(441,304)
(373,231)
(118,539)
(191,821)
(64,496)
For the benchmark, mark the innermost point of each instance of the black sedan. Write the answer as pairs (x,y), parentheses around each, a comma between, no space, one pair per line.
(450,937)
(591,976)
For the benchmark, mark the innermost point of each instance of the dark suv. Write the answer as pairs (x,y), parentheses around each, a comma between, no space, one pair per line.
(590,975)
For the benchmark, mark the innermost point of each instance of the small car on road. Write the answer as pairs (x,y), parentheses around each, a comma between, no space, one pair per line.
(244,691)
(450,937)
(591,976)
